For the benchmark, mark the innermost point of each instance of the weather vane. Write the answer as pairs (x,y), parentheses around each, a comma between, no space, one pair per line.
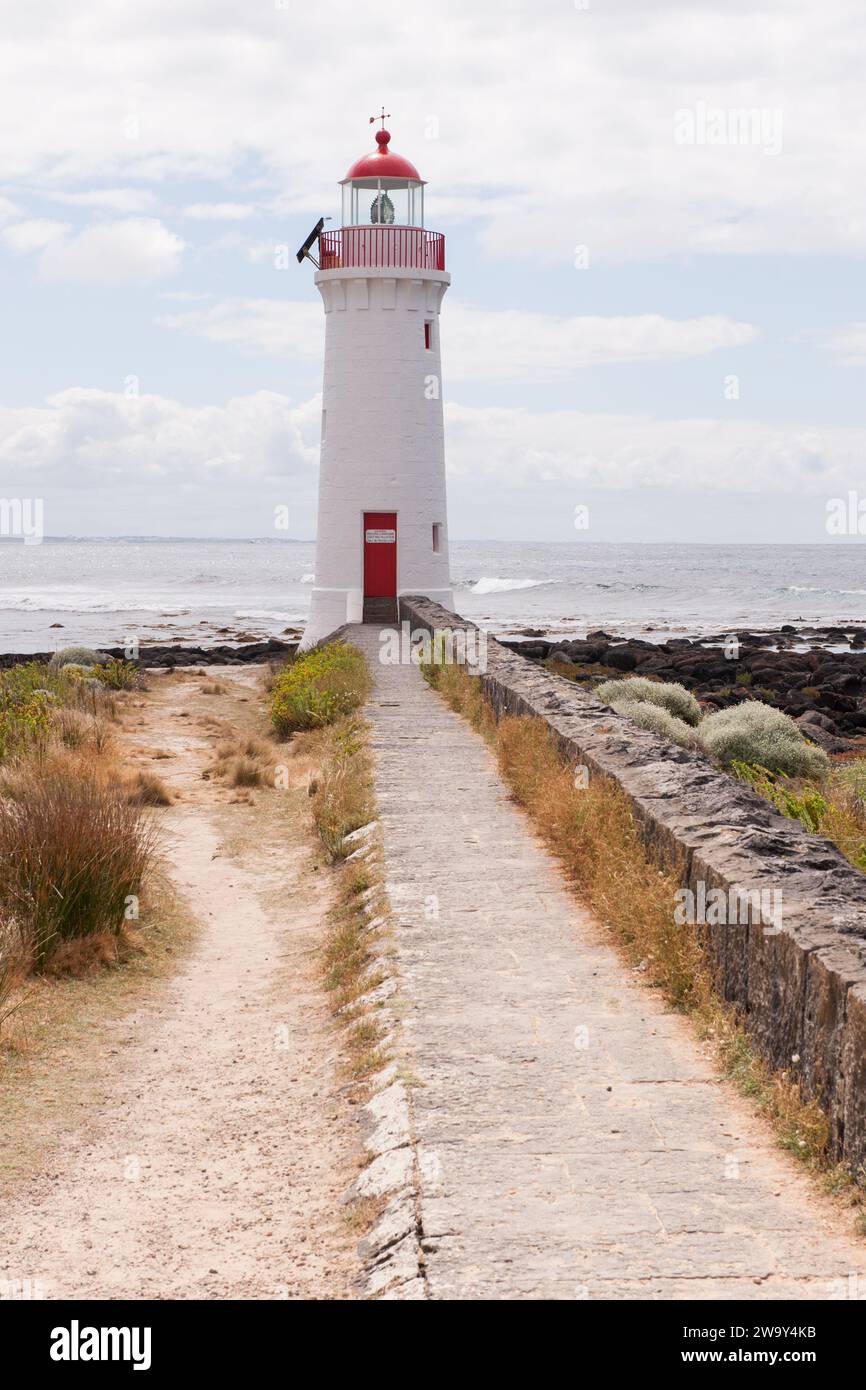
(385,116)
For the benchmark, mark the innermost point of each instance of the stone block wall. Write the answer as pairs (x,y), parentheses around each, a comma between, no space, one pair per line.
(800,984)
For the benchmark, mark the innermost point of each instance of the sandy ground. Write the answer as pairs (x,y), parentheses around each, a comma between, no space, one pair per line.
(213,1163)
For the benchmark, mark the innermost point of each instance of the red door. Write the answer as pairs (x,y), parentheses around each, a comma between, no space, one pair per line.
(380,555)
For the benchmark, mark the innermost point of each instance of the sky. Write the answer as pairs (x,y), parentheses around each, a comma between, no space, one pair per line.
(654,221)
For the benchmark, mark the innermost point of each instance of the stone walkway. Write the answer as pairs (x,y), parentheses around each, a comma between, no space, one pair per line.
(572,1140)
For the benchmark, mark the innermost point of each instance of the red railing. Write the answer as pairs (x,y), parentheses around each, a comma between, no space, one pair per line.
(409,248)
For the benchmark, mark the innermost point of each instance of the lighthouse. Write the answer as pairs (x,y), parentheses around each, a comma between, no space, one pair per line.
(382,525)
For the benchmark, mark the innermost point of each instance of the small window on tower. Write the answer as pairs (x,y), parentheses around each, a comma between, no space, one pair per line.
(437,537)
(428,334)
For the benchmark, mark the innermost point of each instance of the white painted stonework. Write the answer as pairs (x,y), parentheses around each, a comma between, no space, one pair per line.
(382,437)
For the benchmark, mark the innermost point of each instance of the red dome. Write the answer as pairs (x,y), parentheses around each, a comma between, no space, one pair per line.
(382,164)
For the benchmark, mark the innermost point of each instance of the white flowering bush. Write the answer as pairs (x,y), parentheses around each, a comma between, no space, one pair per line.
(77,656)
(668,695)
(755,733)
(658,721)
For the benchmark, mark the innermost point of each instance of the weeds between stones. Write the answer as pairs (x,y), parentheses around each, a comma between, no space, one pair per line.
(342,802)
(342,794)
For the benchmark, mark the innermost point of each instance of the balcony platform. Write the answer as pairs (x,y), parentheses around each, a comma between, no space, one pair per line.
(382,248)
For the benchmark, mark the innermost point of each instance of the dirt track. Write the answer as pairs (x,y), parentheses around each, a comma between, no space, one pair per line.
(214,1164)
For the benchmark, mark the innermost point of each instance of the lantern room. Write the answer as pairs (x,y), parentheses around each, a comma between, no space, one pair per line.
(383,189)
(383,216)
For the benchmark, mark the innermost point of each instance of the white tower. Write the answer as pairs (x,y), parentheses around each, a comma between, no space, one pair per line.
(382,527)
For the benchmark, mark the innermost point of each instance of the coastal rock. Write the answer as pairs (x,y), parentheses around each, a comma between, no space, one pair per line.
(772,666)
(168,656)
(621,658)
(825,738)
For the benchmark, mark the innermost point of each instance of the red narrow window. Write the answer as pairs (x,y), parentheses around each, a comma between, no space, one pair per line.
(428,334)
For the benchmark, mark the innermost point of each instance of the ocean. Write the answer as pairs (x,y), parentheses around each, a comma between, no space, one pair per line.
(99,592)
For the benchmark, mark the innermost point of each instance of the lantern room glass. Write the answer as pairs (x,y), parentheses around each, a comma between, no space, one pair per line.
(383,202)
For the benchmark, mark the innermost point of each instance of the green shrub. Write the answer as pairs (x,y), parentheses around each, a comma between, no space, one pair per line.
(23,723)
(658,721)
(805,804)
(18,683)
(669,695)
(77,656)
(318,687)
(834,810)
(117,674)
(758,734)
(28,695)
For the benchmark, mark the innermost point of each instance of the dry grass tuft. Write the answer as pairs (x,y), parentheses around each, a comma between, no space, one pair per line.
(75,728)
(148,790)
(73,853)
(342,794)
(832,805)
(244,772)
(80,956)
(363,1213)
(364,1045)
(342,801)
(245,762)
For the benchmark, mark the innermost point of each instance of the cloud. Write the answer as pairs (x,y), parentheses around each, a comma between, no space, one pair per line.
(273,326)
(130,444)
(186,296)
(849,345)
(260,252)
(33,234)
(515,451)
(511,345)
(108,464)
(158,91)
(478,344)
(124,200)
(135,249)
(8,209)
(219,212)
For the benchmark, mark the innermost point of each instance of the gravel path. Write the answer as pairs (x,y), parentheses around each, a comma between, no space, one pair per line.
(572,1140)
(216,1167)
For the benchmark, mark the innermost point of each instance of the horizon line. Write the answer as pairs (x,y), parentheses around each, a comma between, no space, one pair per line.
(834,541)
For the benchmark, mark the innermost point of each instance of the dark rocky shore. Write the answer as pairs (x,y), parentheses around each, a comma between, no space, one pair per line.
(792,669)
(159,656)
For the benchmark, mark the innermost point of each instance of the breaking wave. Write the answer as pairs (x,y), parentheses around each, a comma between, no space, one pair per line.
(494,585)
